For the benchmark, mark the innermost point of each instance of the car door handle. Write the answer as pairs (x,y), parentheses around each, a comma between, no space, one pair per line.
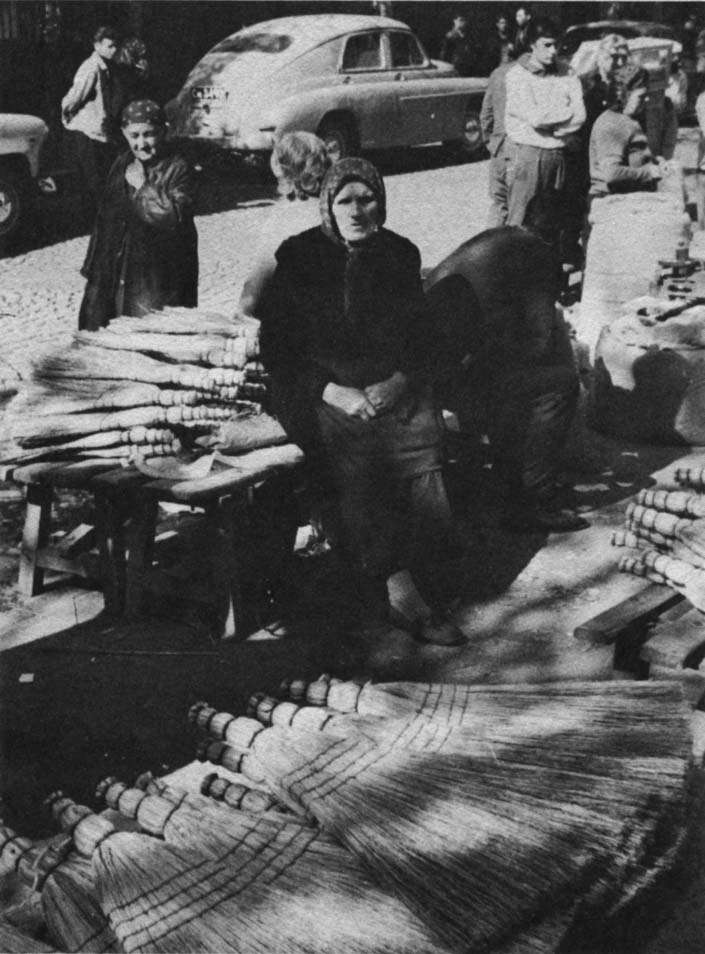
(347,79)
(398,76)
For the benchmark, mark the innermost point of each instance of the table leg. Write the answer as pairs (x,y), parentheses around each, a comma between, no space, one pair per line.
(35,536)
(226,522)
(110,531)
(139,537)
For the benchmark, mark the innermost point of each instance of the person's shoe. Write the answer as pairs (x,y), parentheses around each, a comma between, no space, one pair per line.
(545,519)
(437,628)
(440,630)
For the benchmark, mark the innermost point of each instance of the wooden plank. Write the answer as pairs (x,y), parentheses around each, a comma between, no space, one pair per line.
(692,681)
(250,469)
(81,538)
(37,473)
(86,565)
(35,536)
(643,606)
(671,643)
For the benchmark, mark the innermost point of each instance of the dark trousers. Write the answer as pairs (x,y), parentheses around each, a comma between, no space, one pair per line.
(90,162)
(536,179)
(527,414)
(499,192)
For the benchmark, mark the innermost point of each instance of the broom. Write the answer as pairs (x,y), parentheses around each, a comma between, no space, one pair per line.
(278,886)
(32,432)
(678,502)
(190,321)
(71,911)
(653,709)
(693,477)
(458,836)
(92,362)
(189,349)
(95,394)
(237,792)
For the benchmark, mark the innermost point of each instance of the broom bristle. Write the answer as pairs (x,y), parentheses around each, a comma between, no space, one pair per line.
(275,885)
(553,805)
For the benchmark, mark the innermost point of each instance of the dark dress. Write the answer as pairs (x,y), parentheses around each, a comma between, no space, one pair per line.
(143,253)
(355,317)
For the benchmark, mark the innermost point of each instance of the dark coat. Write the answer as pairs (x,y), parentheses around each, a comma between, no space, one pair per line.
(335,316)
(143,253)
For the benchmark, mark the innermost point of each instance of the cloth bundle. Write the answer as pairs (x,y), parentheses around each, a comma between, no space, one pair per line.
(145,387)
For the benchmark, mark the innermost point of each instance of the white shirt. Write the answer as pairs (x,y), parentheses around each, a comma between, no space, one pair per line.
(84,101)
(542,108)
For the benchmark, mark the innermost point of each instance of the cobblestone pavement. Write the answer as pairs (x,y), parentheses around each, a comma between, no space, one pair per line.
(40,291)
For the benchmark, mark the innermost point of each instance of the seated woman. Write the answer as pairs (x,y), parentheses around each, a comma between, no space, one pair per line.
(346,339)
(620,159)
(299,162)
(143,253)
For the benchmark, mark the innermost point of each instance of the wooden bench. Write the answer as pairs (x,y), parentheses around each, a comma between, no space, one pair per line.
(656,633)
(119,549)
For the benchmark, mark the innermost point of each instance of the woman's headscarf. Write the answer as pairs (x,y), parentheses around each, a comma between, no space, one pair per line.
(143,111)
(339,174)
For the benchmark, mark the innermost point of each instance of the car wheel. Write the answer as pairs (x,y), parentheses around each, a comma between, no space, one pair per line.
(471,144)
(338,138)
(12,201)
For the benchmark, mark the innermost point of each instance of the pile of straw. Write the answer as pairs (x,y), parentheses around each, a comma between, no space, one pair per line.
(665,529)
(380,819)
(145,386)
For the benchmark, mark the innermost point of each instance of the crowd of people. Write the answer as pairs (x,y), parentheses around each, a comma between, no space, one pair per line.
(559,141)
(361,354)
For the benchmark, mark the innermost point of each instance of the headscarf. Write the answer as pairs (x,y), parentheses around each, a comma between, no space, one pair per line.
(360,260)
(143,111)
(339,174)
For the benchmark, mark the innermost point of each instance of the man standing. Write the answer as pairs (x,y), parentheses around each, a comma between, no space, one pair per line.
(521,36)
(500,49)
(85,114)
(493,133)
(544,107)
(458,47)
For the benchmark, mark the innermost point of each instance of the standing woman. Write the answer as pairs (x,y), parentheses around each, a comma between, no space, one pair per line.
(346,339)
(143,253)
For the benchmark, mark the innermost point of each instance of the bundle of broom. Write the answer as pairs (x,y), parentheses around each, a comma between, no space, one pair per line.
(478,843)
(191,370)
(64,880)
(228,880)
(666,528)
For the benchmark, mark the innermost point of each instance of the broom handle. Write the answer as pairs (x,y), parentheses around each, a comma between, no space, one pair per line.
(271,711)
(691,477)
(678,502)
(220,753)
(238,731)
(151,812)
(87,829)
(627,538)
(237,795)
(12,848)
(665,523)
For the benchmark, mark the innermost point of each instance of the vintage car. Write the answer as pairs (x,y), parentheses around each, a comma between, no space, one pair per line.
(574,36)
(21,139)
(359,82)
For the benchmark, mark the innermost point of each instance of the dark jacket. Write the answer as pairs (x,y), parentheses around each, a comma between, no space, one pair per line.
(492,304)
(329,318)
(493,108)
(143,253)
(460,50)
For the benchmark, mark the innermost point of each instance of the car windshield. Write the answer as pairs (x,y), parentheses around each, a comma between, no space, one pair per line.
(254,43)
(573,38)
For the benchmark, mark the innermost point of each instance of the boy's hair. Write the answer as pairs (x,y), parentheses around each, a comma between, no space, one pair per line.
(541,26)
(105,33)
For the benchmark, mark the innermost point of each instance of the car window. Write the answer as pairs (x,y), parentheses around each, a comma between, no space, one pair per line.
(405,50)
(363,52)
(254,43)
(574,38)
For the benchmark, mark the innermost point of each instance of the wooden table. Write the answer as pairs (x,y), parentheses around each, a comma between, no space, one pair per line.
(119,549)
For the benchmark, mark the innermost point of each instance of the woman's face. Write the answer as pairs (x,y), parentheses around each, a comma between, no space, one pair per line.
(143,139)
(356,212)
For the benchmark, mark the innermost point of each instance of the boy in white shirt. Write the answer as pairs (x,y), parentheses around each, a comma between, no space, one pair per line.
(544,107)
